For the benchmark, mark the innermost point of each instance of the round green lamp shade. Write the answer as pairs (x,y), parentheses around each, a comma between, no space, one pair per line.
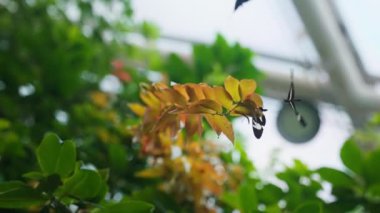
(291,129)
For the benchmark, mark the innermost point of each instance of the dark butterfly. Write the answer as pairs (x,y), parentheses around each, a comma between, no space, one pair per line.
(290,100)
(239,3)
(258,123)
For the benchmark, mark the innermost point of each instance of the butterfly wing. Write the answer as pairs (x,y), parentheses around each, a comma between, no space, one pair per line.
(239,3)
(257,129)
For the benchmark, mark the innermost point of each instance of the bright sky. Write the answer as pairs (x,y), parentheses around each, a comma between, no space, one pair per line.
(270,26)
(361,18)
(261,24)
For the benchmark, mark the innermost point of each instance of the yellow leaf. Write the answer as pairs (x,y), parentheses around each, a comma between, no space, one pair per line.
(223,98)
(221,125)
(242,110)
(150,173)
(149,99)
(246,88)
(231,85)
(138,109)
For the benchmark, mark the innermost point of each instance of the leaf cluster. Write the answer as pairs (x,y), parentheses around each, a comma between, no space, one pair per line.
(166,107)
(62,181)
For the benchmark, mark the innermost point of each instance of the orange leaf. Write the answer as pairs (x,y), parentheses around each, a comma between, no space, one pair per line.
(177,97)
(221,125)
(138,109)
(160,85)
(193,124)
(164,96)
(195,92)
(246,88)
(205,106)
(223,98)
(209,92)
(231,85)
(256,99)
(170,96)
(181,89)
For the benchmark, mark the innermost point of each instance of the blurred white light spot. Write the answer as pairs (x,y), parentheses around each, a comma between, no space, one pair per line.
(304,181)
(325,194)
(89,167)
(176,152)
(154,76)
(26,90)
(110,84)
(107,36)
(118,196)
(72,12)
(61,116)
(73,208)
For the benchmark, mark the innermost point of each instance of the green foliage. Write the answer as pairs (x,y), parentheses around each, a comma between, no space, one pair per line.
(247,197)
(16,195)
(58,186)
(128,206)
(55,157)
(309,207)
(350,151)
(52,64)
(213,63)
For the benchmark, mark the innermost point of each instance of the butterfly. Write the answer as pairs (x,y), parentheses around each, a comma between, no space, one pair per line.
(239,3)
(257,115)
(258,122)
(290,100)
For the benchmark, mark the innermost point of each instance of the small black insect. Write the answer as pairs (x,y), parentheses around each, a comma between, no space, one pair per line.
(239,3)
(290,100)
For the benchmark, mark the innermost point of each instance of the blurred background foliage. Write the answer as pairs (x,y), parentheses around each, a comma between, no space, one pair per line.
(68,67)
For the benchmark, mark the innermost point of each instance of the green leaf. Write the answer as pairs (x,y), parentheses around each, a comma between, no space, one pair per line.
(309,207)
(4,124)
(55,157)
(247,198)
(373,192)
(33,175)
(118,157)
(162,201)
(336,177)
(84,184)
(270,194)
(18,195)
(128,206)
(231,199)
(371,166)
(352,157)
